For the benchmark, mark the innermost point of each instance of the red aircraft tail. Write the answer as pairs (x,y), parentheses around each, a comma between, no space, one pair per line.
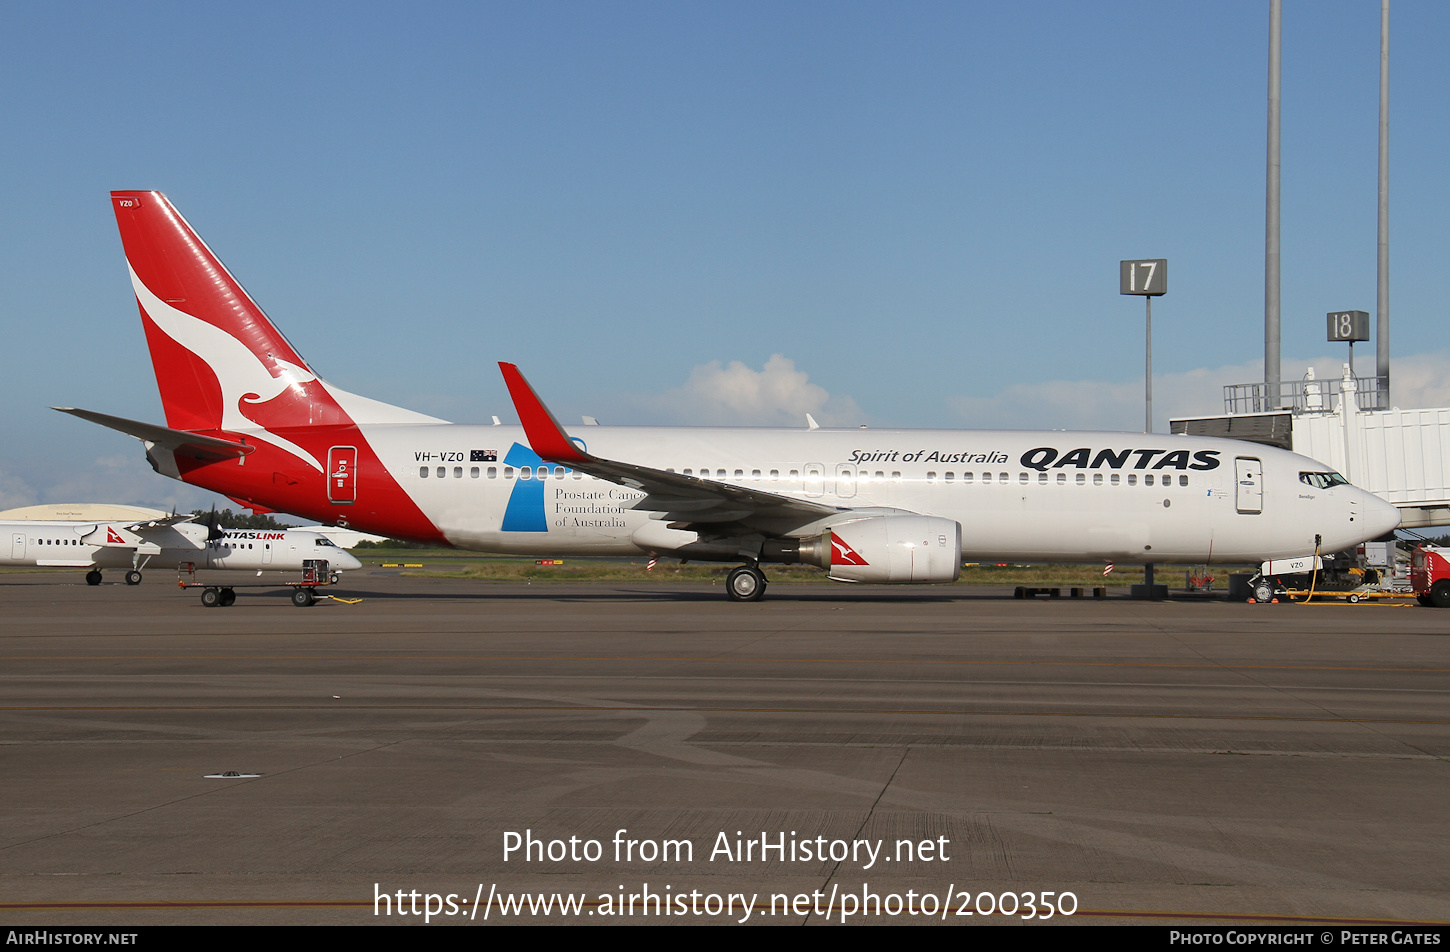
(228,378)
(220,363)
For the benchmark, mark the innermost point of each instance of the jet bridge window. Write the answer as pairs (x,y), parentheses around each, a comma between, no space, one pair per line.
(1323,480)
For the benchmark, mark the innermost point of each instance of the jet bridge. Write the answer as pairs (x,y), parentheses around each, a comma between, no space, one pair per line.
(1402,456)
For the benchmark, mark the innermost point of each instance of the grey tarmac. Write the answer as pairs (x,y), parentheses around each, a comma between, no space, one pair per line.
(1178,762)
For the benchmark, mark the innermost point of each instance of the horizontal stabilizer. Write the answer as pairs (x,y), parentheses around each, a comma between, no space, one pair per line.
(193,444)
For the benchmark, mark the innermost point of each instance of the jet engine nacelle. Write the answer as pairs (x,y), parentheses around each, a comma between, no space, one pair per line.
(882,549)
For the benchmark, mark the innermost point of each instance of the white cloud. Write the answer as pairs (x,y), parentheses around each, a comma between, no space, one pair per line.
(733,394)
(15,492)
(122,479)
(1419,380)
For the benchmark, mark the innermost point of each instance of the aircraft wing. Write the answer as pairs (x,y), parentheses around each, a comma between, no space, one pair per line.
(165,522)
(683,500)
(191,444)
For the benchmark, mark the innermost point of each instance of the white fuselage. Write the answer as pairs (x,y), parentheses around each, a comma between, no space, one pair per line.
(1018,495)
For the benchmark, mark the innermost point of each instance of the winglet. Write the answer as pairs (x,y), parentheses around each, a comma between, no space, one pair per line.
(546,436)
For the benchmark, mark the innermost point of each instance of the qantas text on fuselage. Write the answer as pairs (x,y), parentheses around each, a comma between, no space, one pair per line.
(246,416)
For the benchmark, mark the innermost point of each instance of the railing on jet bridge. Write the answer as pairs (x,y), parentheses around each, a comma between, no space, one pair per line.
(1300,396)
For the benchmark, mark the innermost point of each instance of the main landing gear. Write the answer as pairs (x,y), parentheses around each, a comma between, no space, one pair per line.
(745,584)
(93,577)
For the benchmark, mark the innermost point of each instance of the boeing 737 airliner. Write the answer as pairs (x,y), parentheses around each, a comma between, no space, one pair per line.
(247,417)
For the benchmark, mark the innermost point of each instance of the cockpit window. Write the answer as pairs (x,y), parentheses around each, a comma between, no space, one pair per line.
(1323,480)
(323,541)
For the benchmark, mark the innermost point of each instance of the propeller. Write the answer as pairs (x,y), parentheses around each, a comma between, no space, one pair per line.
(213,525)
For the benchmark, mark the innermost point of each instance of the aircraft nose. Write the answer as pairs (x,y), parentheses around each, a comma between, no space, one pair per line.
(346,562)
(1379,515)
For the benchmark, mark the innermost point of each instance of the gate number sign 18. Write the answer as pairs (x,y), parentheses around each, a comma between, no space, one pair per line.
(1348,325)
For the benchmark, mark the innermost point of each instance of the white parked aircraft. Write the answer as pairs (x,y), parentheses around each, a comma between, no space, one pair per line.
(247,417)
(149,537)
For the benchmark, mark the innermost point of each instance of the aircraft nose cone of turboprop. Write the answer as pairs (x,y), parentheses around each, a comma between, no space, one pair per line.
(345,561)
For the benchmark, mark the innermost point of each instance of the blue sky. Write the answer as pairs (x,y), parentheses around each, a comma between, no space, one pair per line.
(904,214)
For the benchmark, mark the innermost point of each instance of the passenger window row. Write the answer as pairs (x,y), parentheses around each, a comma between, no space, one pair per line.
(863,477)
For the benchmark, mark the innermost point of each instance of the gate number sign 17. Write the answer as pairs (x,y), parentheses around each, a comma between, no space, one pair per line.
(1146,276)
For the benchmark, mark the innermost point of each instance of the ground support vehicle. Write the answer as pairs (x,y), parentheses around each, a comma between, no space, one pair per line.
(315,574)
(1430,575)
(1353,597)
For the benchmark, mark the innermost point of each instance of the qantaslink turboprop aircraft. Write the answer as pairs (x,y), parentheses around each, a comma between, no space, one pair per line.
(247,417)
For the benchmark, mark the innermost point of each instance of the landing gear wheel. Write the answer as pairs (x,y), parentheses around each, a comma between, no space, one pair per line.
(211,597)
(133,577)
(93,577)
(1263,592)
(229,597)
(746,584)
(1440,594)
(302,597)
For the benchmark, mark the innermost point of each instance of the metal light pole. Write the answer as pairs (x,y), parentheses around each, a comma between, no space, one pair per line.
(1147,277)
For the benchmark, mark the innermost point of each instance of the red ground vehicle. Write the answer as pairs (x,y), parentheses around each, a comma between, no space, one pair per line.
(1430,575)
